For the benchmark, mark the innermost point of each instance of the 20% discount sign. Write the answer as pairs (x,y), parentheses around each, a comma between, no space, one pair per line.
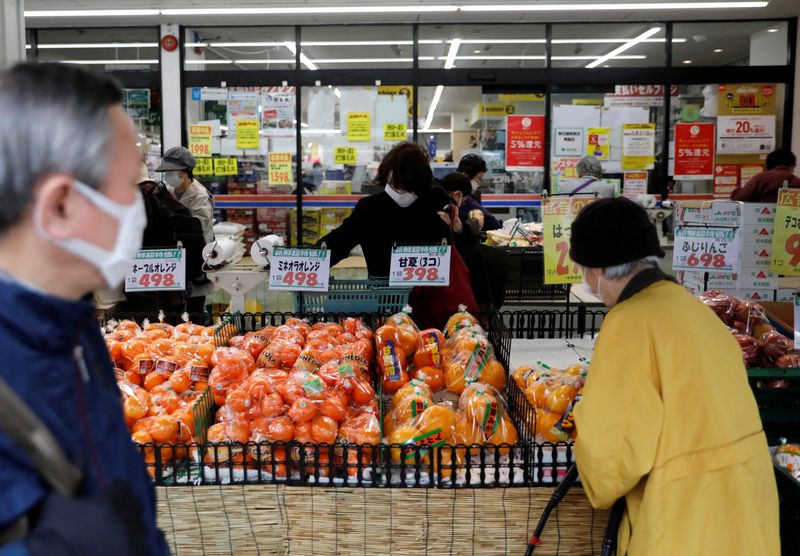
(294,269)
(712,249)
(420,265)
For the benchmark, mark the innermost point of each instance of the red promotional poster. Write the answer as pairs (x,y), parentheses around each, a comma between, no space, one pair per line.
(525,143)
(726,179)
(694,151)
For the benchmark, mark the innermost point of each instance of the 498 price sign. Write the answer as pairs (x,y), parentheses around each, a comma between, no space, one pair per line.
(157,270)
(706,249)
(299,269)
(421,265)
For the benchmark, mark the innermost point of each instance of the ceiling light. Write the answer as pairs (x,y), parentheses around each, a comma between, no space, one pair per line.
(687,61)
(70,46)
(311,10)
(210,62)
(244,44)
(718,50)
(628,45)
(451,54)
(532,57)
(110,62)
(303,124)
(195,44)
(606,66)
(90,13)
(359,60)
(609,41)
(612,6)
(773,30)
(266,61)
(500,41)
(476,51)
(322,132)
(303,58)
(337,92)
(437,95)
(434,130)
(358,43)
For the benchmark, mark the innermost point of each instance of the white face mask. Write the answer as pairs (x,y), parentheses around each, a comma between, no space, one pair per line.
(131,220)
(589,289)
(173,179)
(402,199)
(475,185)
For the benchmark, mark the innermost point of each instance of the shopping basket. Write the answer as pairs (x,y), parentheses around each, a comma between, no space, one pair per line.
(525,283)
(373,295)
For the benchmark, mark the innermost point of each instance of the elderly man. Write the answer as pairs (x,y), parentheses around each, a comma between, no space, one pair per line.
(590,174)
(667,418)
(71,221)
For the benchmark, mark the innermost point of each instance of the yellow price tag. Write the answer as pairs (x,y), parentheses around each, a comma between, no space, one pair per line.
(225,167)
(344,155)
(204,167)
(786,241)
(247,134)
(200,140)
(280,168)
(359,127)
(638,146)
(395,132)
(558,214)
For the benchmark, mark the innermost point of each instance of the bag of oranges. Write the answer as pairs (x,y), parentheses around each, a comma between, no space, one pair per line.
(469,357)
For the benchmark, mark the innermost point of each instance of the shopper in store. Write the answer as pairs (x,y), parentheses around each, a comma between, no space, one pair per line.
(667,419)
(178,166)
(763,188)
(589,180)
(71,220)
(474,167)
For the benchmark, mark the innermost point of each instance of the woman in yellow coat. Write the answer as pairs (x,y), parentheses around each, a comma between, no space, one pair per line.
(667,419)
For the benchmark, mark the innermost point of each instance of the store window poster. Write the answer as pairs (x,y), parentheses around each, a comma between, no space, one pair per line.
(598,142)
(638,146)
(242,105)
(524,143)
(694,151)
(569,142)
(726,180)
(278,111)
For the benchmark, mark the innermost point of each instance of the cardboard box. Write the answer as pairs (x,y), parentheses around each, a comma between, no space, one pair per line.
(756,279)
(695,289)
(691,276)
(755,257)
(781,312)
(693,212)
(785,294)
(756,236)
(726,213)
(759,295)
(722,281)
(758,213)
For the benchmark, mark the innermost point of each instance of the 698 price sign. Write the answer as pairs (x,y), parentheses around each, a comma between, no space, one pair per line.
(299,269)
(157,270)
(420,265)
(706,249)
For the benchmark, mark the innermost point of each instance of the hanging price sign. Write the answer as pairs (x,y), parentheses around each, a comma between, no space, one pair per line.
(225,167)
(247,134)
(559,212)
(204,167)
(786,241)
(280,168)
(344,155)
(157,270)
(395,132)
(200,140)
(299,269)
(359,127)
(708,249)
(420,265)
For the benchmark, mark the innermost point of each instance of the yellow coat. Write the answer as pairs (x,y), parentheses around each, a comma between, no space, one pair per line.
(668,420)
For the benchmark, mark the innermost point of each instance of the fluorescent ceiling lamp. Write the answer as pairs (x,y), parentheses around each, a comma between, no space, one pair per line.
(337,92)
(266,61)
(303,124)
(500,41)
(437,95)
(311,10)
(210,62)
(195,44)
(357,43)
(608,41)
(303,58)
(512,57)
(76,46)
(636,6)
(246,44)
(90,13)
(451,54)
(628,45)
(360,60)
(432,130)
(322,132)
(110,62)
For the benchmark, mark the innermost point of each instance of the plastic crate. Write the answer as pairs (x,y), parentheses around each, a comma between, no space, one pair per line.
(525,282)
(355,296)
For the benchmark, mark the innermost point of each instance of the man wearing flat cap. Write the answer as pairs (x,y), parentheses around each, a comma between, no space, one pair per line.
(667,419)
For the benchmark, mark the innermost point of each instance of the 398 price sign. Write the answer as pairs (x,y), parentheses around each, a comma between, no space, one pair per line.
(422,265)
(706,249)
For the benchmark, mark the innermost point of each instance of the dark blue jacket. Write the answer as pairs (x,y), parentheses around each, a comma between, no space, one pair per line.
(42,341)
(490,222)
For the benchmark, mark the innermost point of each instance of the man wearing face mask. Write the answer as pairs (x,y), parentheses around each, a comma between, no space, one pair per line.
(71,221)
(474,167)
(667,419)
(178,166)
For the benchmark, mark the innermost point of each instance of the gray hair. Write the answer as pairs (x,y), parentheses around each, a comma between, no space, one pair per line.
(626,269)
(590,166)
(55,120)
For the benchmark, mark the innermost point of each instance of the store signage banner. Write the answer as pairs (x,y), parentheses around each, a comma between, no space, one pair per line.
(204,167)
(525,143)
(345,155)
(293,269)
(708,249)
(568,142)
(280,169)
(746,98)
(225,167)
(558,214)
(395,132)
(278,111)
(200,140)
(749,171)
(638,146)
(247,134)
(726,179)
(634,184)
(420,265)
(745,134)
(157,270)
(786,240)
(242,105)
(694,151)
(598,142)
(359,127)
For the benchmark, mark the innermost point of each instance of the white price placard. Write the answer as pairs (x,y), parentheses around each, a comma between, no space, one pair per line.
(294,269)
(420,265)
(707,249)
(157,270)
(569,142)
(745,134)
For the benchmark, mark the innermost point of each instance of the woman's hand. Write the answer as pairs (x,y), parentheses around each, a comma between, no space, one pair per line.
(455,224)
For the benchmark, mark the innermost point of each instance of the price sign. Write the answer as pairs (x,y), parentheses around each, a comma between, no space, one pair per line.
(344,155)
(745,134)
(420,265)
(280,168)
(395,132)
(558,216)
(204,167)
(638,146)
(157,270)
(294,269)
(200,140)
(786,241)
(359,127)
(707,249)
(247,134)
(225,167)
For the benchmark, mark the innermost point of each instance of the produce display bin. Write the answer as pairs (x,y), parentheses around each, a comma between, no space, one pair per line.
(525,282)
(777,393)
(789,495)
(355,296)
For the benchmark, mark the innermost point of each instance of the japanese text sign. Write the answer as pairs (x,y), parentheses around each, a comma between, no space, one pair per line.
(280,168)
(157,270)
(706,248)
(694,151)
(395,132)
(638,146)
(345,155)
(634,184)
(786,241)
(204,167)
(420,265)
(726,179)
(525,143)
(568,142)
(247,134)
(559,212)
(293,269)
(200,140)
(225,167)
(745,134)
(598,142)
(359,127)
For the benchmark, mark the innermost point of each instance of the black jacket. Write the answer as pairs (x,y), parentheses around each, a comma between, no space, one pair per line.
(377,223)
